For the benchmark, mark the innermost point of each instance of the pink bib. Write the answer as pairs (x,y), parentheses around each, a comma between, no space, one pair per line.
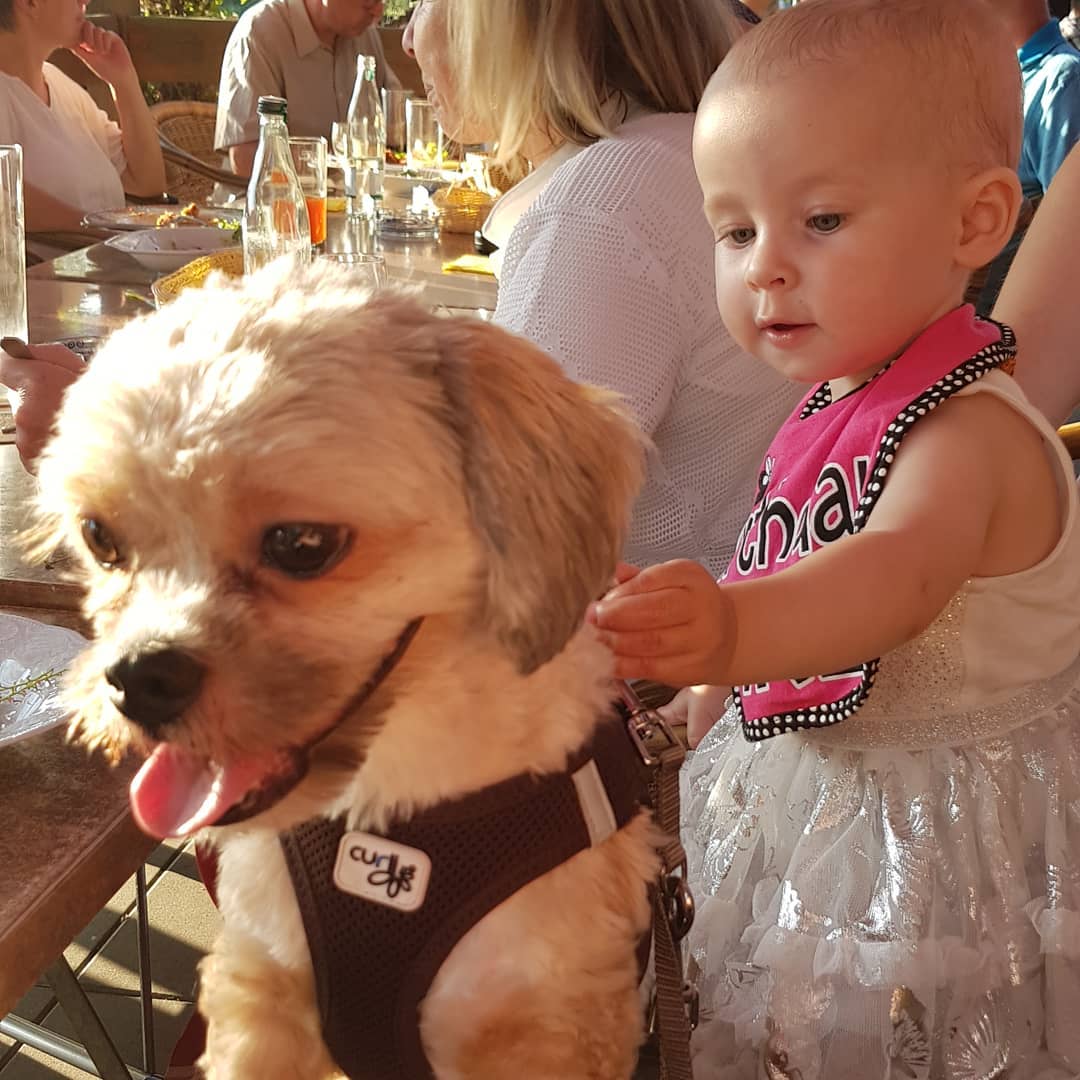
(822,477)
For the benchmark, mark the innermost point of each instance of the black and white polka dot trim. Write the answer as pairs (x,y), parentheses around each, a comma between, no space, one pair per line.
(812,716)
(822,397)
(971,370)
(974,368)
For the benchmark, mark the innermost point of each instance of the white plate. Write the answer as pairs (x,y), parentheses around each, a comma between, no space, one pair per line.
(129,218)
(169,249)
(28,650)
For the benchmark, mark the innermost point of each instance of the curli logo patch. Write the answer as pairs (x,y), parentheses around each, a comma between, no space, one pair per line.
(382,871)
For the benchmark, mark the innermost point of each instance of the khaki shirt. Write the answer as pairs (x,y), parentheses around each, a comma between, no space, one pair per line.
(273,49)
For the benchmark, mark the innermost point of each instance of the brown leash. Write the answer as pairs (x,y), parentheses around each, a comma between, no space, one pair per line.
(674,1008)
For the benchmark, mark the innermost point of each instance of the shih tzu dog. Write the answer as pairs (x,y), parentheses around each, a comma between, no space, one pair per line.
(336,551)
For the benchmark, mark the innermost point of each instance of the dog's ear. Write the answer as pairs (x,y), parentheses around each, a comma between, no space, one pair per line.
(551,468)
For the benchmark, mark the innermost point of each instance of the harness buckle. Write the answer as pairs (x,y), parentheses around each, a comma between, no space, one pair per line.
(656,743)
(691,1003)
(678,905)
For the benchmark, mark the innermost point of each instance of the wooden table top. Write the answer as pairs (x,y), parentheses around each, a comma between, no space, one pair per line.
(67,841)
(66,845)
(28,587)
(417,261)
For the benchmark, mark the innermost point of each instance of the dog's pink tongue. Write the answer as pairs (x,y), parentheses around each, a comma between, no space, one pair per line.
(177,792)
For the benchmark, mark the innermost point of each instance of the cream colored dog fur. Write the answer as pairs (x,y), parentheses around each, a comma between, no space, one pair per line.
(469,483)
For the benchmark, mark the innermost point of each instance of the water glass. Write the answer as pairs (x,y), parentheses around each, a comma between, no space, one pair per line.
(12,246)
(309,160)
(339,138)
(393,104)
(423,134)
(367,268)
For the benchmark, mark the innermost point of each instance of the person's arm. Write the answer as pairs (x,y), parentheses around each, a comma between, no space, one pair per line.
(38,387)
(855,599)
(1038,299)
(590,292)
(46,213)
(247,73)
(106,55)
(609,321)
(242,157)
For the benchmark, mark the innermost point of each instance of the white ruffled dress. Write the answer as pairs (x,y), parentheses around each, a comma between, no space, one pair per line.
(898,896)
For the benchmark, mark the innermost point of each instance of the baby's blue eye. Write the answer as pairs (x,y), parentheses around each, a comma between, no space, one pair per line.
(826,223)
(740,237)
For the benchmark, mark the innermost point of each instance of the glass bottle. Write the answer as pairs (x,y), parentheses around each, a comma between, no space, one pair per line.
(12,250)
(365,155)
(275,215)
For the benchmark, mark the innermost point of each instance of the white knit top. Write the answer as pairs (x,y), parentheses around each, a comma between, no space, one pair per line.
(611,271)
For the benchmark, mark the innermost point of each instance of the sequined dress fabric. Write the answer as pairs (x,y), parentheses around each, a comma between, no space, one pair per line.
(899,896)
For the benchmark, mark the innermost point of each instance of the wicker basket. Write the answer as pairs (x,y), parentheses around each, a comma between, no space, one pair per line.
(462,208)
(192,275)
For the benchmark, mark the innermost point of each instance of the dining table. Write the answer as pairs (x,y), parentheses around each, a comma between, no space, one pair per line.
(421,262)
(68,841)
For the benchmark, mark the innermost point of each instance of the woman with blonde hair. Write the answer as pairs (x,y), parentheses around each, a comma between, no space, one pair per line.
(605,258)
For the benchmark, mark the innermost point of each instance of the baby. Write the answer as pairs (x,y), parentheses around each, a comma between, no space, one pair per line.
(884,826)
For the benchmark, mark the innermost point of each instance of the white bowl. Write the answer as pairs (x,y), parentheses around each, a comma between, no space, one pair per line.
(168,248)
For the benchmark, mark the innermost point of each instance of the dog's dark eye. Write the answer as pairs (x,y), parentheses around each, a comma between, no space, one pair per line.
(101,543)
(304,550)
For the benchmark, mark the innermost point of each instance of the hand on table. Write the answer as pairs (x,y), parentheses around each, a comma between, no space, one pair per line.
(670,623)
(105,54)
(39,386)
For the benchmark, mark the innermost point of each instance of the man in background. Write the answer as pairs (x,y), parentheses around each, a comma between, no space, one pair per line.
(1050,68)
(302,50)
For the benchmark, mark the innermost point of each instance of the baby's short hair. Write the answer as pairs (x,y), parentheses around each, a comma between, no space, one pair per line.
(947,63)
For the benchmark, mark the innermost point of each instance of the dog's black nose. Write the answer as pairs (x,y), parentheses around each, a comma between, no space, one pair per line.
(154,684)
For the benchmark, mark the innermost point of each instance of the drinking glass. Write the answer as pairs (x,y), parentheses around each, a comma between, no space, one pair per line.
(368,269)
(309,160)
(12,246)
(339,139)
(424,135)
(394,110)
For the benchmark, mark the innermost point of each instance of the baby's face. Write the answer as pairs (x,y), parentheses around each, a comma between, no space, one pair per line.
(835,231)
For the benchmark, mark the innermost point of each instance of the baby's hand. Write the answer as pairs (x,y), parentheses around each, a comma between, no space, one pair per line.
(670,623)
(697,708)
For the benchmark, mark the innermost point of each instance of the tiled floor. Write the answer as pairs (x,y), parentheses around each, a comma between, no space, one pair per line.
(183,924)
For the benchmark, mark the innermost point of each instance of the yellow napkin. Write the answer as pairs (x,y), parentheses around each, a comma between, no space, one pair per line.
(469,264)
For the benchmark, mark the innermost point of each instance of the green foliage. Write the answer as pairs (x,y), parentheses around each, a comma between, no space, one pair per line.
(395,11)
(205,9)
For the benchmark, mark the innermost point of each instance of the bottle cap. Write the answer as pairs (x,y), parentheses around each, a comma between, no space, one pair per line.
(271,106)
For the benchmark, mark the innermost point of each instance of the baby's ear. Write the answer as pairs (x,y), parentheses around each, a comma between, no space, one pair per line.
(991,204)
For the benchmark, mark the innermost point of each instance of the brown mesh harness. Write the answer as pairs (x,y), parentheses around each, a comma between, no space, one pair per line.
(373,963)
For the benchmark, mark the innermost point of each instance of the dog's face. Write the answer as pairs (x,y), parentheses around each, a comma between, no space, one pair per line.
(269,483)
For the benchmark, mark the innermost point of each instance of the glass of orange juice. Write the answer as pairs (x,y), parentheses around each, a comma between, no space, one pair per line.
(309,160)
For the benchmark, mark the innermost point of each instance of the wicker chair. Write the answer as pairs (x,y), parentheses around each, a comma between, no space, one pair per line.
(192,165)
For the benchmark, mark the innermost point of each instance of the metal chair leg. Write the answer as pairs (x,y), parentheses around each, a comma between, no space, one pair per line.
(73,1000)
(146,982)
(48,1042)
